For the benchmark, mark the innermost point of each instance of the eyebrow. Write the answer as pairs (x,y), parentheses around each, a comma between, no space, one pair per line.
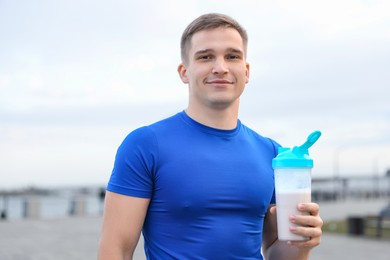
(232,50)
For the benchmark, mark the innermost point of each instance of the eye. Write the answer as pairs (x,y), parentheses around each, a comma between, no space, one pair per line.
(233,57)
(204,57)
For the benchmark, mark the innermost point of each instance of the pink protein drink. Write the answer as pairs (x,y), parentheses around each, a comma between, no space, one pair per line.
(292,184)
(286,204)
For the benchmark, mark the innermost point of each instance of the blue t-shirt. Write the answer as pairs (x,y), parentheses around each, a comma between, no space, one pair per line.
(209,188)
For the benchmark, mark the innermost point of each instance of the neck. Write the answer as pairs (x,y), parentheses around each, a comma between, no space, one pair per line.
(224,119)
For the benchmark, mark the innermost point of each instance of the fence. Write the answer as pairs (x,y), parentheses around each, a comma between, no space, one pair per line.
(49,206)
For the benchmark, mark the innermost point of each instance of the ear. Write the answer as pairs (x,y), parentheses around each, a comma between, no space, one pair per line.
(182,70)
(247,72)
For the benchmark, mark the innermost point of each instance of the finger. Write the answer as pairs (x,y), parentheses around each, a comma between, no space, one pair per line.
(312,242)
(312,232)
(311,208)
(307,220)
(314,235)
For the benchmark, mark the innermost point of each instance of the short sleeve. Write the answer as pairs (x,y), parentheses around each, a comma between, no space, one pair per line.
(275,147)
(135,164)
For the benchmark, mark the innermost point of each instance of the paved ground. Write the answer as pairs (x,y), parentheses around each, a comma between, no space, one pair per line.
(77,238)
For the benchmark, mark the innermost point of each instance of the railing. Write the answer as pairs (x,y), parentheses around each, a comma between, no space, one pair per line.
(14,207)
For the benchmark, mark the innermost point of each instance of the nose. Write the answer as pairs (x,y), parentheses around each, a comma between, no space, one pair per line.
(220,66)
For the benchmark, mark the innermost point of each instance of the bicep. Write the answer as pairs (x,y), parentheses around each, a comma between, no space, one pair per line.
(122,224)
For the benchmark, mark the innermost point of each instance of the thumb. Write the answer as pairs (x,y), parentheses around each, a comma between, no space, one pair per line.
(272,210)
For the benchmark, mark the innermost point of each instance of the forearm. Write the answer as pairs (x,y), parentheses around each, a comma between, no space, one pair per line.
(282,250)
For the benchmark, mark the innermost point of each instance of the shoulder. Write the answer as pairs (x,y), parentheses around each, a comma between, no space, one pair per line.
(148,133)
(167,124)
(147,138)
(264,140)
(140,136)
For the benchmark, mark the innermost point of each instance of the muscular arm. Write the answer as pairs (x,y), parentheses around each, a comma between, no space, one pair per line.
(311,227)
(122,224)
(272,247)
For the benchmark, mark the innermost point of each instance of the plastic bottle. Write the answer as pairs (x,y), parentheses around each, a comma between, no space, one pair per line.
(292,184)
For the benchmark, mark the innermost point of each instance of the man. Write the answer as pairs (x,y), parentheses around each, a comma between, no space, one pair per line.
(199,184)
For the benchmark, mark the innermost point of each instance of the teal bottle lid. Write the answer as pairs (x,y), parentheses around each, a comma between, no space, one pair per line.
(298,156)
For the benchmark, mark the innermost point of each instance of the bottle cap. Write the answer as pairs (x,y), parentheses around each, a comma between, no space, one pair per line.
(298,156)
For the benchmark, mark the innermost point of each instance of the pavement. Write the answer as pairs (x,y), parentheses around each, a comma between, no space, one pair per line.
(78,238)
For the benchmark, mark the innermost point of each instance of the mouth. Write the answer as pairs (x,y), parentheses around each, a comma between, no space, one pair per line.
(219,82)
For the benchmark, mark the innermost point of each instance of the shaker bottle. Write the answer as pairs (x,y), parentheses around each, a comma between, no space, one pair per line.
(292,184)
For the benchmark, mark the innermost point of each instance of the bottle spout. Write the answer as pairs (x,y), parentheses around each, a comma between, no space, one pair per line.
(298,156)
(311,139)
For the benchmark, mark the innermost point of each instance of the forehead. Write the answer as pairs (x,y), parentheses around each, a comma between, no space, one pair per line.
(216,40)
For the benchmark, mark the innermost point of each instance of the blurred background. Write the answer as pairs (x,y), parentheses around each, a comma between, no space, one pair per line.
(77,76)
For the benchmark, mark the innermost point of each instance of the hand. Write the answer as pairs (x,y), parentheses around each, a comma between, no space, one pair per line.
(309,225)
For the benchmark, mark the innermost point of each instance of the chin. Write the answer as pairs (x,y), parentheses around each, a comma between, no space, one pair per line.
(221,104)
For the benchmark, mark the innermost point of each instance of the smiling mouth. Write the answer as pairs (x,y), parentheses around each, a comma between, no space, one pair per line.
(219,82)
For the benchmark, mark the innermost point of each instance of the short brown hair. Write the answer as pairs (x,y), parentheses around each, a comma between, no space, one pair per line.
(207,22)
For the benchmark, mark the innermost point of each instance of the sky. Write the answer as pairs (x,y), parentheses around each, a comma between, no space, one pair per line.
(77,76)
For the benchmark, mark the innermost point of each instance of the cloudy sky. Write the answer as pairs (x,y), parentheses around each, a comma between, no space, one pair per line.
(77,76)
